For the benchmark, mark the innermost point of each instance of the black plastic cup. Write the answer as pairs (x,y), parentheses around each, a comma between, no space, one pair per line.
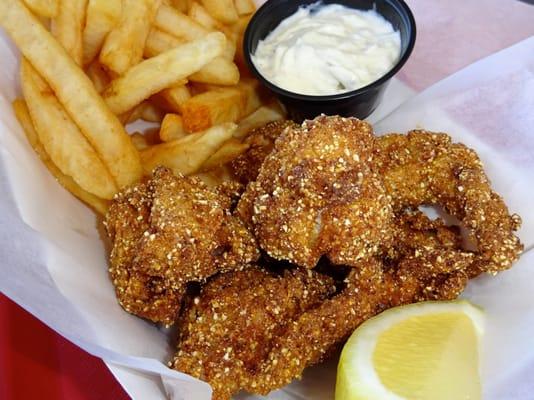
(360,102)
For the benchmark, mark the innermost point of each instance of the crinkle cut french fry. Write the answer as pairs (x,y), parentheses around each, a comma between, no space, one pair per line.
(124,45)
(101,17)
(163,71)
(60,136)
(74,90)
(68,25)
(43,8)
(172,128)
(222,10)
(185,156)
(220,105)
(23,116)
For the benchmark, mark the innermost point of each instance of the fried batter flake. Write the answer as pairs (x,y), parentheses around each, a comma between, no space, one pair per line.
(167,232)
(316,194)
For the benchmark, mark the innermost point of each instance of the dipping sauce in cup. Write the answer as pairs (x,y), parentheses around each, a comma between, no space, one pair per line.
(328,49)
(335,57)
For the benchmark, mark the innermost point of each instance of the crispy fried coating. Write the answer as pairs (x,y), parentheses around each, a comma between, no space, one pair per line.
(169,231)
(370,289)
(261,142)
(316,194)
(228,329)
(427,168)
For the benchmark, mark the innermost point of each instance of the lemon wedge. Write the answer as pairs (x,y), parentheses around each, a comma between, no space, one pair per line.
(423,351)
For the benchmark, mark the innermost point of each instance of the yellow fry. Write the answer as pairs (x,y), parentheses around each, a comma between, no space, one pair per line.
(159,42)
(101,18)
(163,71)
(200,15)
(140,141)
(244,7)
(74,90)
(23,115)
(181,5)
(220,71)
(65,144)
(43,8)
(220,105)
(124,45)
(67,27)
(222,10)
(172,128)
(98,76)
(185,156)
(215,177)
(151,113)
(181,26)
(258,118)
(229,150)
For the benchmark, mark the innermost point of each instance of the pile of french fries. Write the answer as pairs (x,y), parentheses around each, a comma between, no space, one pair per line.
(90,67)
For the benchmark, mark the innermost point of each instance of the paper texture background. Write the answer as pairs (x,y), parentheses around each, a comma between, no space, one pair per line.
(54,261)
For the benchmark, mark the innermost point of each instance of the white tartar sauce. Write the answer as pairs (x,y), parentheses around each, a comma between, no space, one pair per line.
(328,49)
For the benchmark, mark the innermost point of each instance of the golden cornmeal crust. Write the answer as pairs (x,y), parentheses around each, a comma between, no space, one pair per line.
(316,194)
(261,142)
(169,231)
(426,168)
(227,331)
(370,289)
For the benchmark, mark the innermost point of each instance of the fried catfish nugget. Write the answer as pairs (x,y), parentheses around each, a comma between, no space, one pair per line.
(316,194)
(261,142)
(169,231)
(228,330)
(426,168)
(370,289)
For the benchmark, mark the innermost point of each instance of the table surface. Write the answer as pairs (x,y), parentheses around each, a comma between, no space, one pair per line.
(37,363)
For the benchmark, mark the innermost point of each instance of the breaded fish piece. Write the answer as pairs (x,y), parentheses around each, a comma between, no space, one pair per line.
(370,289)
(426,168)
(261,142)
(228,330)
(167,232)
(317,194)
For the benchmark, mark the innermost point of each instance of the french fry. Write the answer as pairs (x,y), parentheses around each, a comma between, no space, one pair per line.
(244,7)
(181,26)
(185,156)
(101,17)
(160,72)
(172,128)
(220,71)
(200,15)
(151,113)
(98,76)
(174,98)
(140,141)
(74,90)
(159,42)
(43,8)
(230,50)
(67,27)
(215,177)
(229,150)
(258,118)
(222,10)
(124,45)
(64,143)
(181,5)
(220,105)
(23,116)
